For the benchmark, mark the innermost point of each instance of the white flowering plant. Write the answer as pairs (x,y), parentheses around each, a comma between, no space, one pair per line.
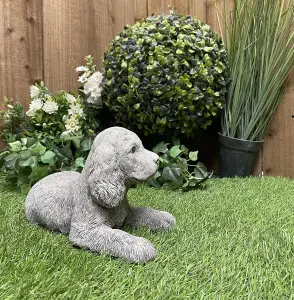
(92,82)
(55,133)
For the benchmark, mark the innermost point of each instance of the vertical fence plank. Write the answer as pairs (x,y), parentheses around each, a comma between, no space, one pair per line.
(21,59)
(21,49)
(141,9)
(124,14)
(198,9)
(69,35)
(179,6)
(158,6)
(103,27)
(279,141)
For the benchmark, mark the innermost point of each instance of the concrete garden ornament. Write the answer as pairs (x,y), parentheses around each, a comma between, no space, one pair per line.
(90,206)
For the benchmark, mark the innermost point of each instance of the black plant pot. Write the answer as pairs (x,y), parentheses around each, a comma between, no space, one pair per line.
(237,157)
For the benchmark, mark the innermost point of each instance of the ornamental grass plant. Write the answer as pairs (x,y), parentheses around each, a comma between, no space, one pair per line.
(260,43)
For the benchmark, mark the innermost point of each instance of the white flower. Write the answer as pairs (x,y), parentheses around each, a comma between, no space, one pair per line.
(72,124)
(82,69)
(35,105)
(93,89)
(50,107)
(70,98)
(84,77)
(34,91)
(75,109)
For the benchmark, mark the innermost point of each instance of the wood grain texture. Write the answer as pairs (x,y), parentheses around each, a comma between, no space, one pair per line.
(278,150)
(21,49)
(196,8)
(104,23)
(141,9)
(69,35)
(214,6)
(124,14)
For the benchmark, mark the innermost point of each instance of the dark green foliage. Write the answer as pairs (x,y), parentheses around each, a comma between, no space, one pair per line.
(166,74)
(34,151)
(178,168)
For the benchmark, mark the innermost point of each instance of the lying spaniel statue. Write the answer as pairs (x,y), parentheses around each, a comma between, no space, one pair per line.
(91,206)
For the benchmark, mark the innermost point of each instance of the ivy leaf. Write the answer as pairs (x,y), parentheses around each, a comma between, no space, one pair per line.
(48,157)
(25,188)
(63,153)
(175,151)
(39,148)
(26,154)
(201,167)
(38,173)
(185,150)
(153,180)
(193,155)
(31,162)
(15,146)
(161,148)
(86,144)
(80,162)
(173,174)
(200,171)
(10,160)
(31,142)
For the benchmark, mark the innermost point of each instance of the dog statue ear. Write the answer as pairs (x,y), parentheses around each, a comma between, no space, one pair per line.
(103,176)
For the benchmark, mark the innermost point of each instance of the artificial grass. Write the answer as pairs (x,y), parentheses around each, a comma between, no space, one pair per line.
(233,240)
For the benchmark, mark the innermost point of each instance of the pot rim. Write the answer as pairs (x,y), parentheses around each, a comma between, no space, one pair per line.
(226,136)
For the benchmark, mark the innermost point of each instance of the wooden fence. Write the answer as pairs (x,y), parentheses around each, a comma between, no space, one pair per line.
(47,39)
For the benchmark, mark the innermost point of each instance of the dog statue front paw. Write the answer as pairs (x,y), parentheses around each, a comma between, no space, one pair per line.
(150,218)
(138,250)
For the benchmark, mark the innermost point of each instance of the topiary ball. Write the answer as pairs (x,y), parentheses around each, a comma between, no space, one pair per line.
(166,75)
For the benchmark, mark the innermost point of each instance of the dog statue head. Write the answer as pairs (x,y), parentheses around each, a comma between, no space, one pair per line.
(116,160)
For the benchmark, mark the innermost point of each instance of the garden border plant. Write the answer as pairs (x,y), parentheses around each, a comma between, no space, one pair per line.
(166,74)
(55,134)
(260,41)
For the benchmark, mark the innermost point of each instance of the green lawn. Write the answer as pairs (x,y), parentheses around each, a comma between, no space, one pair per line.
(233,240)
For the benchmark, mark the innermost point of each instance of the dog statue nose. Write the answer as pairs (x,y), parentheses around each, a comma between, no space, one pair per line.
(156,160)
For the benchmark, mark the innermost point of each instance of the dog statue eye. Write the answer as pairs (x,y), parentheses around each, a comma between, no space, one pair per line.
(133,150)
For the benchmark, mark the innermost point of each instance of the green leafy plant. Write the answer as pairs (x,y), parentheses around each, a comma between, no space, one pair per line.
(260,41)
(178,168)
(55,134)
(166,74)
(27,161)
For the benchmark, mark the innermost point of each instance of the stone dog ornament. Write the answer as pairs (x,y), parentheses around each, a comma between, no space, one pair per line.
(89,206)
